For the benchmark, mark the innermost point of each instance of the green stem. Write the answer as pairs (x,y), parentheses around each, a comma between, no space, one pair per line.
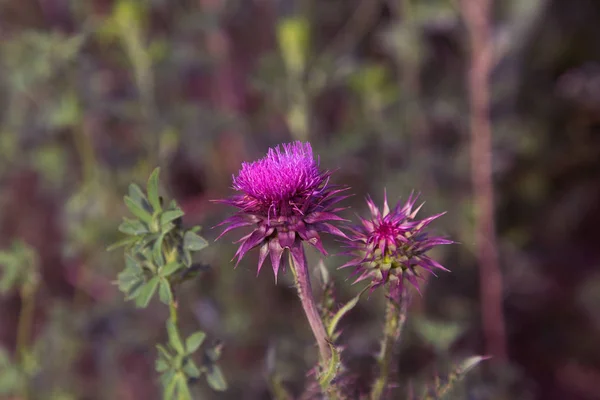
(394,322)
(173,311)
(25,319)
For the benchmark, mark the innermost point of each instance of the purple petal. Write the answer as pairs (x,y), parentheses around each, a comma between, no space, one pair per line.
(386,207)
(275,251)
(234,226)
(373,208)
(433,263)
(250,242)
(312,237)
(321,216)
(262,256)
(326,227)
(413,281)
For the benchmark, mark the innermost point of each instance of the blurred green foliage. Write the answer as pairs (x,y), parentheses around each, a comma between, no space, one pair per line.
(95,94)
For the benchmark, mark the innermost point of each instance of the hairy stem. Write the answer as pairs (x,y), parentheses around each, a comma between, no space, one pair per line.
(300,268)
(395,317)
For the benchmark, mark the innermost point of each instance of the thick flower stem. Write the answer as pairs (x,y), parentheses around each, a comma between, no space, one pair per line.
(395,317)
(300,269)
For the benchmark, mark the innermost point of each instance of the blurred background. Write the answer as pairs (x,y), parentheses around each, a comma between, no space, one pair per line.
(96,93)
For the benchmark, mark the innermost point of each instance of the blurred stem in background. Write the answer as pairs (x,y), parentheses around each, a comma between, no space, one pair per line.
(25,327)
(293,35)
(130,19)
(476,15)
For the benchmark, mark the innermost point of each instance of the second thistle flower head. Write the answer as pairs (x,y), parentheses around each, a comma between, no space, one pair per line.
(288,201)
(391,245)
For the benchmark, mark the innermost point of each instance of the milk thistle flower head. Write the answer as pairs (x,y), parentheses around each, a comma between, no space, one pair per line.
(391,246)
(288,201)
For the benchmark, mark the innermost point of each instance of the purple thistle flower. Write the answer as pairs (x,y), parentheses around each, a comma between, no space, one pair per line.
(287,200)
(391,245)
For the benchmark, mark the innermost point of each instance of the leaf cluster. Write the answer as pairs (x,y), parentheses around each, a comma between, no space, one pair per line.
(158,256)
(177,367)
(158,250)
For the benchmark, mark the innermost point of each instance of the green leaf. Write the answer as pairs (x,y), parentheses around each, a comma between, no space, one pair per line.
(136,194)
(130,280)
(170,268)
(133,227)
(194,242)
(161,365)
(343,311)
(133,291)
(124,242)
(332,368)
(215,379)
(174,338)
(138,210)
(157,251)
(152,189)
(146,292)
(191,369)
(439,334)
(131,263)
(162,352)
(169,216)
(185,257)
(194,341)
(164,292)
